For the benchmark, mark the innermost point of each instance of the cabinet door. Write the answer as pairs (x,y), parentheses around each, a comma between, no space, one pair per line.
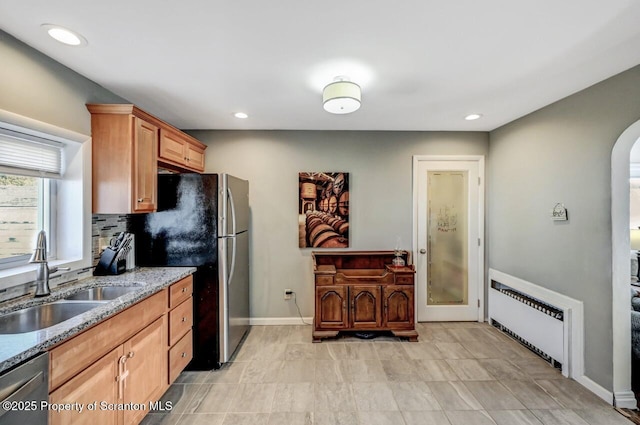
(96,383)
(146,365)
(366,305)
(195,157)
(331,307)
(172,147)
(398,307)
(145,166)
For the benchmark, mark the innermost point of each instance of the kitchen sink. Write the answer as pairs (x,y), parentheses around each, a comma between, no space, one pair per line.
(42,316)
(102,293)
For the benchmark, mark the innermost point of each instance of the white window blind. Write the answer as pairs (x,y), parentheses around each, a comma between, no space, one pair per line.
(30,155)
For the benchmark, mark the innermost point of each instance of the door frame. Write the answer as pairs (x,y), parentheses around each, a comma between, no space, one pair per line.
(623,395)
(481,213)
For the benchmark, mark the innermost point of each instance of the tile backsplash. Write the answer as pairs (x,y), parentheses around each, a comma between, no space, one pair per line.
(102,226)
(105,226)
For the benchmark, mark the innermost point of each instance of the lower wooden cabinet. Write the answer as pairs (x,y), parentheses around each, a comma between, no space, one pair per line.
(362,291)
(398,307)
(127,361)
(180,343)
(144,367)
(130,375)
(95,384)
(180,354)
(366,306)
(331,307)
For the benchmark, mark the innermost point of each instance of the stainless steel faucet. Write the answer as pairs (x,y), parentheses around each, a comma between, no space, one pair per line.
(42,273)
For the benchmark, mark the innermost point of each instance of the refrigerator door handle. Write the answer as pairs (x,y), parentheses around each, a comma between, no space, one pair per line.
(233,212)
(233,262)
(233,234)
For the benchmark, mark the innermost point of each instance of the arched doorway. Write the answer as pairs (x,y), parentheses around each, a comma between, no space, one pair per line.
(623,395)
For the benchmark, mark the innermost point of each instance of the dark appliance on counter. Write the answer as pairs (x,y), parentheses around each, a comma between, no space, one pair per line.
(202,220)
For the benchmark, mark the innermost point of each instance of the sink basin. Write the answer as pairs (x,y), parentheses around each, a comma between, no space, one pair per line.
(42,316)
(102,293)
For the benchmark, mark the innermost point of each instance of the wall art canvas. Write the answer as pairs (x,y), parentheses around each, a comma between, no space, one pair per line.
(323,210)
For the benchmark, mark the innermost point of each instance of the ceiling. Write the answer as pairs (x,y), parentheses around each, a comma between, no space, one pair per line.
(422,64)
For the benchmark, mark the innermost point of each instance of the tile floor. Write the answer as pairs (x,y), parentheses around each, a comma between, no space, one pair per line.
(458,374)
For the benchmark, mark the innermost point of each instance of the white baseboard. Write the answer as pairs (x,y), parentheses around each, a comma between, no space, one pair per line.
(625,400)
(267,321)
(598,390)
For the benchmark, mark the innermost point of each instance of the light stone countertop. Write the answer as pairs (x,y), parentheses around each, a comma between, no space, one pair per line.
(15,348)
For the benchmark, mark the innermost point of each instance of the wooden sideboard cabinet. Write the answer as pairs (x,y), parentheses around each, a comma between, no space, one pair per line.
(362,291)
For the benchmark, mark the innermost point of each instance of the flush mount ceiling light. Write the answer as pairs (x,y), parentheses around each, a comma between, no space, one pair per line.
(341,96)
(64,35)
(472,117)
(241,115)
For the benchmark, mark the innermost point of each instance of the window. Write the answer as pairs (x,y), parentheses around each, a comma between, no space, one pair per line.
(26,201)
(25,209)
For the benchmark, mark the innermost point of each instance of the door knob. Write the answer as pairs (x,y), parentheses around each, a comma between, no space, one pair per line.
(423,251)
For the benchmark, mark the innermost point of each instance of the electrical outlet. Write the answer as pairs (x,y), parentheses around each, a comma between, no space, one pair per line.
(287,294)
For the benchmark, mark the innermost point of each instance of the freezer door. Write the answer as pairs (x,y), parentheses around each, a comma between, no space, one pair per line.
(238,203)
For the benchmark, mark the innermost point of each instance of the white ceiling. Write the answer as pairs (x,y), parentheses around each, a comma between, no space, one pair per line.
(422,64)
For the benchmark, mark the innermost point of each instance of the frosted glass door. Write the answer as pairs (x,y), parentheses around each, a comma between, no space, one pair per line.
(447,236)
(449,259)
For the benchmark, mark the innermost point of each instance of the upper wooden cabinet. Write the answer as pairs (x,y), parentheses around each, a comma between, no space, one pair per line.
(128,146)
(180,150)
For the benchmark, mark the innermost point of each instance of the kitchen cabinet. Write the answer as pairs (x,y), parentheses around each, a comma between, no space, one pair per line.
(180,345)
(124,145)
(129,359)
(180,150)
(128,147)
(144,366)
(132,372)
(129,375)
(74,355)
(362,291)
(95,383)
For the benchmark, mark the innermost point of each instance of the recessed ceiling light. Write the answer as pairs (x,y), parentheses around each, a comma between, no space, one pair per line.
(472,117)
(241,115)
(64,35)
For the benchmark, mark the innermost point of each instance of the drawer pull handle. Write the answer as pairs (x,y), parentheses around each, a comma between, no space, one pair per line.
(139,199)
(131,354)
(184,319)
(184,354)
(184,289)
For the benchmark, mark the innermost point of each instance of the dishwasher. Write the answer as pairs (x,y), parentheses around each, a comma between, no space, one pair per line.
(23,389)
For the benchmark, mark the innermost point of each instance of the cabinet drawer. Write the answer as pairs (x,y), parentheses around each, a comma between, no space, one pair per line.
(180,291)
(180,355)
(324,280)
(72,356)
(180,320)
(404,280)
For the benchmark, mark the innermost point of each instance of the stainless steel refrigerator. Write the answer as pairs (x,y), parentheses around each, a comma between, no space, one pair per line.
(203,221)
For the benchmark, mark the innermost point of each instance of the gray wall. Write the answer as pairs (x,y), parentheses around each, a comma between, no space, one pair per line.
(35,86)
(562,153)
(380,167)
